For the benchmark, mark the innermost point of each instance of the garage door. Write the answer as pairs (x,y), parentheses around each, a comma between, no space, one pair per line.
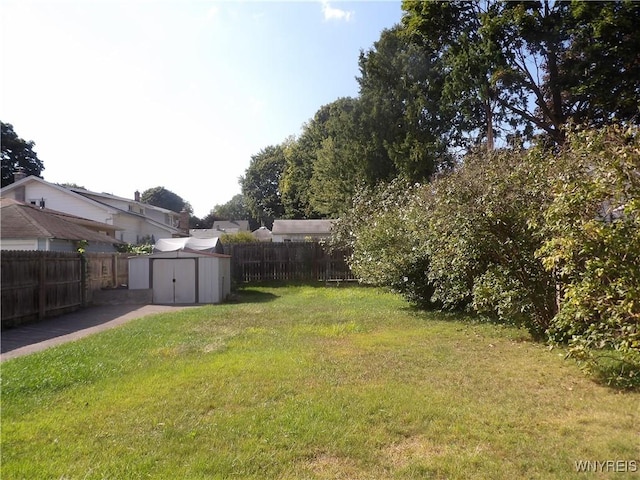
(174,280)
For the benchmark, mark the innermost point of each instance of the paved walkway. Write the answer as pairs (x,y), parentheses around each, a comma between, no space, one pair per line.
(37,336)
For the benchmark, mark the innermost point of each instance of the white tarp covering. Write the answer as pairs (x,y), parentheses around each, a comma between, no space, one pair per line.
(186,243)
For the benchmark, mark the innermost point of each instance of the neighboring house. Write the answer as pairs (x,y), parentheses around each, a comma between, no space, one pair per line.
(232,226)
(301,230)
(29,227)
(206,233)
(136,222)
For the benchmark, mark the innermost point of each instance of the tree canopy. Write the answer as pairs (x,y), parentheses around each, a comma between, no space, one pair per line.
(163,198)
(529,67)
(261,184)
(17,154)
(449,79)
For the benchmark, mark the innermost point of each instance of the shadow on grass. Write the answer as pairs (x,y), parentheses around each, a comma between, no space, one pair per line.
(251,295)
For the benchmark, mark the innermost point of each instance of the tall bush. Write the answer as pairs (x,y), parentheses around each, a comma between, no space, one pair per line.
(481,238)
(385,229)
(593,246)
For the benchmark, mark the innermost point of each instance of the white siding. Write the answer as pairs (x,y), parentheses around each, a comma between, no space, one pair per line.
(19,244)
(66,202)
(224,274)
(139,273)
(213,282)
(208,281)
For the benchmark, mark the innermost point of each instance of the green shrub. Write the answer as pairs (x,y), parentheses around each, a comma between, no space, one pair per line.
(593,246)
(481,238)
(549,240)
(240,237)
(385,231)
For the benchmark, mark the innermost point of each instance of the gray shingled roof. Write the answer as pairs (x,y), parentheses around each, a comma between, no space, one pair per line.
(20,220)
(240,225)
(302,227)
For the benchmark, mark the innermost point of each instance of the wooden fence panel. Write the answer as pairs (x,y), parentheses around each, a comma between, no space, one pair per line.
(107,270)
(37,284)
(294,261)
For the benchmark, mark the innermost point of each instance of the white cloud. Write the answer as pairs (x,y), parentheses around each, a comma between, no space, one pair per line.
(331,13)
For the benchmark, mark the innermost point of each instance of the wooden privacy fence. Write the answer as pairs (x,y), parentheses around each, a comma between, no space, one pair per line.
(38,284)
(291,261)
(107,270)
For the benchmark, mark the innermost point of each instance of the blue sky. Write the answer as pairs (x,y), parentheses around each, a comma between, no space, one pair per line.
(128,95)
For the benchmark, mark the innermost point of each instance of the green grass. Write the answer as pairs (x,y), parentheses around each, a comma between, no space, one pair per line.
(304,382)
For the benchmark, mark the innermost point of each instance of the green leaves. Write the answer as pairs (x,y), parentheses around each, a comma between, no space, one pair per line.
(164,198)
(593,245)
(17,153)
(261,184)
(548,240)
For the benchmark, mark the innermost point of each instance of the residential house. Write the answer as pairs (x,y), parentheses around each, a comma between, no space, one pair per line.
(206,233)
(221,227)
(28,227)
(301,230)
(135,222)
(232,226)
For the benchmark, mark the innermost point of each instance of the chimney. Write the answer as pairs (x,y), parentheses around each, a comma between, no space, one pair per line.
(19,174)
(136,196)
(183,223)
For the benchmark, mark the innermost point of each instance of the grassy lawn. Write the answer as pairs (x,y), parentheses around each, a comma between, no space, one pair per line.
(304,382)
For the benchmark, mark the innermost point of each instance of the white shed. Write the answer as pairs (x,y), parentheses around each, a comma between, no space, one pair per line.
(182,276)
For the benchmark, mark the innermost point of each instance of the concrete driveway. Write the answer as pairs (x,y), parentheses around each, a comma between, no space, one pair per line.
(37,336)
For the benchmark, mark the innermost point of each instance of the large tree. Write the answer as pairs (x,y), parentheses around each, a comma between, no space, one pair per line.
(526,67)
(336,151)
(163,198)
(409,127)
(261,184)
(17,154)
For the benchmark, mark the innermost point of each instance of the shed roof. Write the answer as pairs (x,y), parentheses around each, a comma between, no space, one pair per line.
(186,253)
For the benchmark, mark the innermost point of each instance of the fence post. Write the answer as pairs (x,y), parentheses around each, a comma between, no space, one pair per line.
(42,291)
(114,270)
(84,284)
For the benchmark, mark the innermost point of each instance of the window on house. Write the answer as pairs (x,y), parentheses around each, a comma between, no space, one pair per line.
(38,202)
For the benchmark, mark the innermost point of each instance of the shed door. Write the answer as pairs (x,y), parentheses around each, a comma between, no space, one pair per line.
(174,280)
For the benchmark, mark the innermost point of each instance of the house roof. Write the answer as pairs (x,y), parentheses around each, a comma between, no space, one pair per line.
(205,232)
(97,199)
(302,227)
(108,196)
(235,225)
(20,220)
(68,191)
